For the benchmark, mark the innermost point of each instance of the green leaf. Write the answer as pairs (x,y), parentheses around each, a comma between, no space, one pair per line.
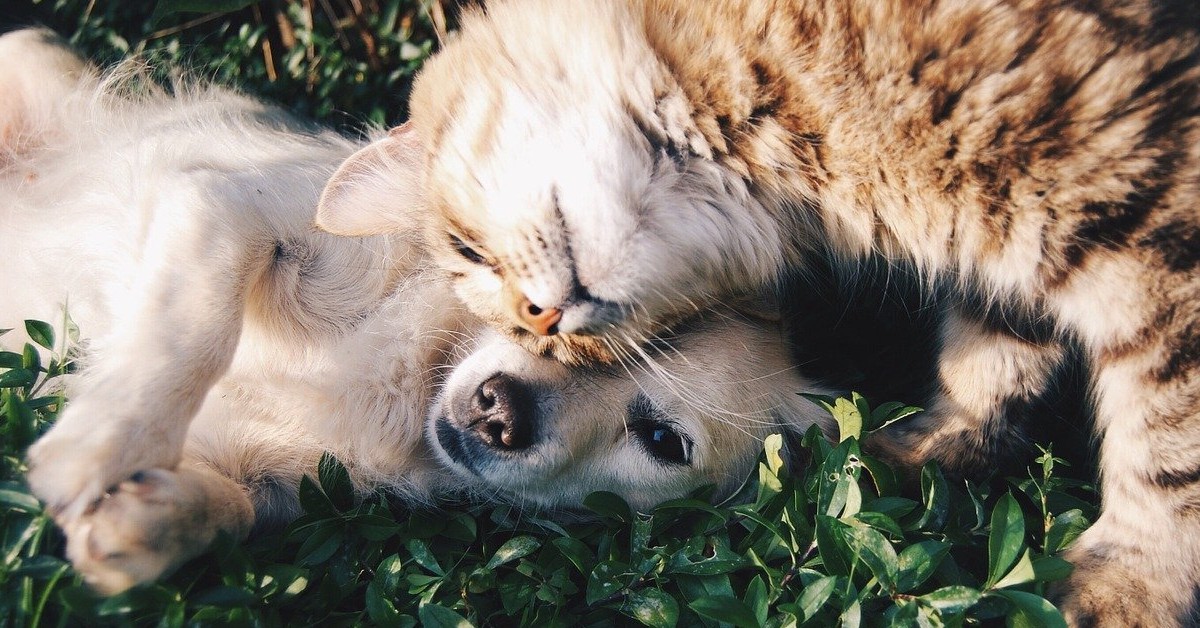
(380,608)
(772,446)
(882,476)
(10,360)
(952,600)
(691,504)
(21,420)
(890,412)
(461,526)
(516,594)
(852,616)
(814,596)
(1032,610)
(1021,573)
(824,401)
(1051,568)
(422,556)
(831,544)
(388,573)
(894,507)
(879,521)
(606,579)
(935,496)
(324,539)
(17,378)
(575,551)
(283,580)
(314,500)
(838,492)
(1006,538)
(375,527)
(917,562)
(701,557)
(874,550)
(849,419)
(756,599)
(434,616)
(41,567)
(609,505)
(514,548)
(335,482)
(17,499)
(30,359)
(725,609)
(1065,528)
(41,333)
(223,596)
(652,607)
(770,470)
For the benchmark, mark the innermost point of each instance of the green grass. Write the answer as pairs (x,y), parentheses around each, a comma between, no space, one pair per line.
(342,62)
(837,542)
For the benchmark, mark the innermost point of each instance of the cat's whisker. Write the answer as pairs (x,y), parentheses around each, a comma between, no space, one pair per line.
(688,392)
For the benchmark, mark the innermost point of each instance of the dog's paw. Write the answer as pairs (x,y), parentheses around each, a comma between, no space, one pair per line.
(143,528)
(81,459)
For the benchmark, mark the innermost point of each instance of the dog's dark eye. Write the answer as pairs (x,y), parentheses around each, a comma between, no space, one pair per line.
(468,253)
(660,438)
(663,442)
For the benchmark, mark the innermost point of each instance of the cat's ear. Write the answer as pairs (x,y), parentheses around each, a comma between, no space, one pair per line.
(762,306)
(376,190)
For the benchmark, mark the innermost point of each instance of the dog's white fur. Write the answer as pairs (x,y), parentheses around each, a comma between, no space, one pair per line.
(229,343)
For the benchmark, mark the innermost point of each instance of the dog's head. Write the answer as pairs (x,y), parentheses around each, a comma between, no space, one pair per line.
(678,417)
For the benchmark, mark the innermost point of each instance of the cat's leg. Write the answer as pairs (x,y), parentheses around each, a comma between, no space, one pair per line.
(1139,564)
(175,334)
(988,377)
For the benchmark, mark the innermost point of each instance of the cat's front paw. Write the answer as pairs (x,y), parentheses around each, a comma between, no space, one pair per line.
(143,528)
(1109,594)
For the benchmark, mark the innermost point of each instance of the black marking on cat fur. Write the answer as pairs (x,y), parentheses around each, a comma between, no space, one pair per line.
(1177,242)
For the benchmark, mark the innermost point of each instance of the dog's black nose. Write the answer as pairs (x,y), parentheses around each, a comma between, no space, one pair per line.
(501,413)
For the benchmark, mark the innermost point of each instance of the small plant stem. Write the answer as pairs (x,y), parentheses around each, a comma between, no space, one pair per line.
(36,619)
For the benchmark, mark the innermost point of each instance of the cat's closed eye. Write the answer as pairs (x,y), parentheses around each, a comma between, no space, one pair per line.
(468,253)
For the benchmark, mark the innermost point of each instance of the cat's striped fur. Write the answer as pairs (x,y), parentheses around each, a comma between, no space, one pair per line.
(622,163)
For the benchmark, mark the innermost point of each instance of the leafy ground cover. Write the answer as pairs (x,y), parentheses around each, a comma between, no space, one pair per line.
(835,541)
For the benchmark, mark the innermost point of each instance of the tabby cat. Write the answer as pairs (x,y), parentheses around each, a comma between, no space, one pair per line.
(597,170)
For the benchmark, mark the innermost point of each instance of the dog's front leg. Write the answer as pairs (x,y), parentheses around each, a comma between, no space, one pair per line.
(151,523)
(144,380)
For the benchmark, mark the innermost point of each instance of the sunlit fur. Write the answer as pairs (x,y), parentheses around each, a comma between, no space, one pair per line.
(632,161)
(227,343)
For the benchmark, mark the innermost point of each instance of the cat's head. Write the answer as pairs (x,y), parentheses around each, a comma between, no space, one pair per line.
(532,430)
(562,184)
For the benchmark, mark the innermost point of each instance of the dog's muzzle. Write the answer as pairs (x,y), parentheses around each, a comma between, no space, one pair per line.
(498,420)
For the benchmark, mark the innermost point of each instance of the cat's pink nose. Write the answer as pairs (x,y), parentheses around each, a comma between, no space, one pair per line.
(543,322)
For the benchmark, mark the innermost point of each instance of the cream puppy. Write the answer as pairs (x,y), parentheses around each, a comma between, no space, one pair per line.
(228,343)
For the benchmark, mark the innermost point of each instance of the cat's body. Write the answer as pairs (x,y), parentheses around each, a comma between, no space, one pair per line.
(602,169)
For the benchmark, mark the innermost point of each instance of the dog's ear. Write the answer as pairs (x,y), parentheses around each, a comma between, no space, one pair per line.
(376,190)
